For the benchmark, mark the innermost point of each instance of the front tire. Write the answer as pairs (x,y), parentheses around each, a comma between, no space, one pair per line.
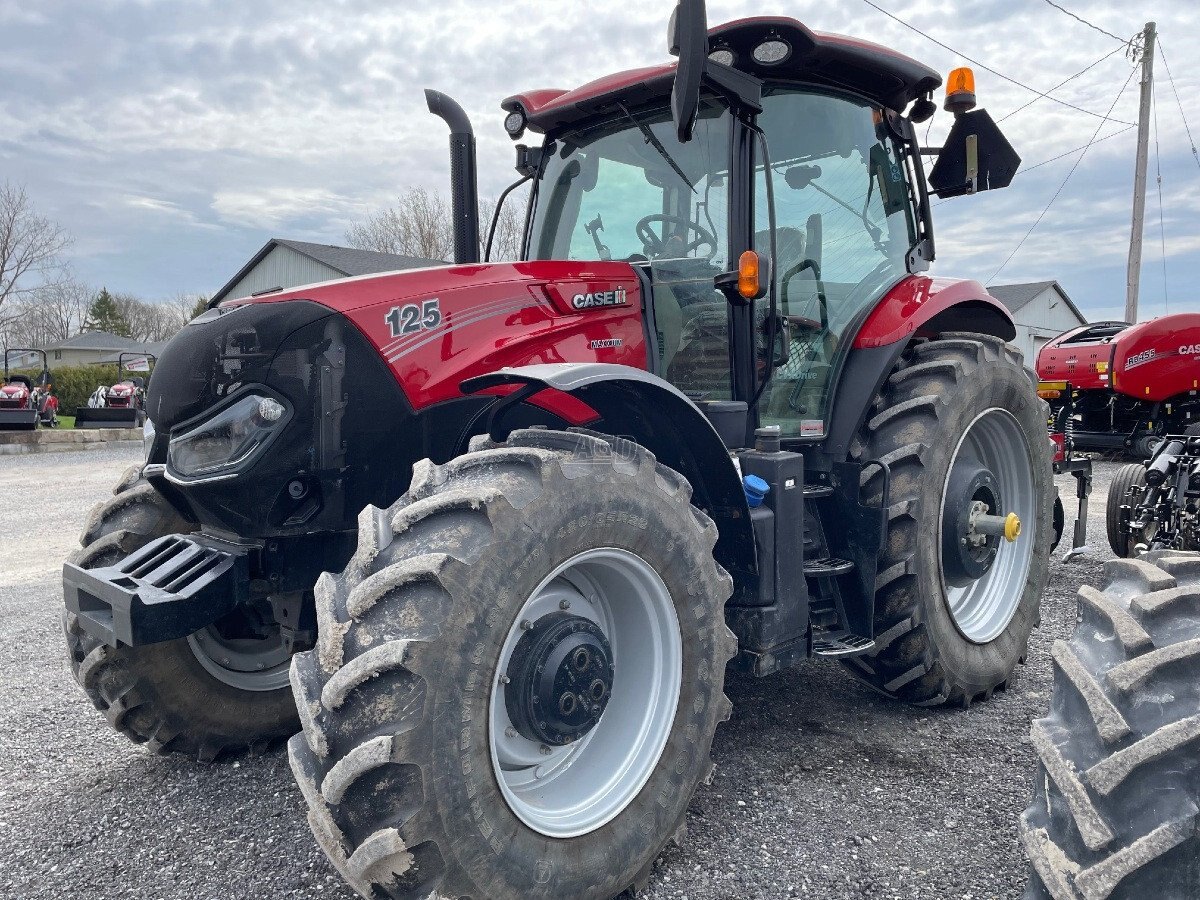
(1114,813)
(175,696)
(946,636)
(419,782)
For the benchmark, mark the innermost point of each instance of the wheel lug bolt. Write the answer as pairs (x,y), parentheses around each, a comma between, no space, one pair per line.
(504,679)
(510,732)
(544,750)
(564,604)
(526,625)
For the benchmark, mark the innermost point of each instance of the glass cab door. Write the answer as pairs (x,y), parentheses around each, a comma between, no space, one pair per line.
(844,227)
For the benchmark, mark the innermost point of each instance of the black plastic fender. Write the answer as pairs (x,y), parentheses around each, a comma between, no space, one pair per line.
(644,408)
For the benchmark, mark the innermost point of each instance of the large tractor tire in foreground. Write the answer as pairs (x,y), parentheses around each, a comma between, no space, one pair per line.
(957,423)
(518,677)
(205,695)
(1114,814)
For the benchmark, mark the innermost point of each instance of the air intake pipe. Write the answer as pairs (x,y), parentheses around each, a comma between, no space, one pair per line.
(464,176)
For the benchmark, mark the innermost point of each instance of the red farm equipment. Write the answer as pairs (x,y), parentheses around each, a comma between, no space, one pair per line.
(27,402)
(1130,385)
(718,413)
(124,400)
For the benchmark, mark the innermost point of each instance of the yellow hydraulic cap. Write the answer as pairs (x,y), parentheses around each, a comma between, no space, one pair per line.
(1012,527)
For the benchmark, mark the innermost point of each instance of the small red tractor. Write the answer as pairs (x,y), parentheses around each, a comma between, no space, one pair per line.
(1129,385)
(26,403)
(506,524)
(124,401)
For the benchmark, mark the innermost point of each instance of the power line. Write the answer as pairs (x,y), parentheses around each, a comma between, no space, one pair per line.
(1182,114)
(1091,25)
(988,68)
(1162,228)
(1047,162)
(1062,83)
(1063,186)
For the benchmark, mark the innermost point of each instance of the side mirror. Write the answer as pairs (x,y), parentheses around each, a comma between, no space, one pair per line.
(977,157)
(688,39)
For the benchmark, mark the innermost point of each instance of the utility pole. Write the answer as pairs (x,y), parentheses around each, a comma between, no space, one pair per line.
(1133,276)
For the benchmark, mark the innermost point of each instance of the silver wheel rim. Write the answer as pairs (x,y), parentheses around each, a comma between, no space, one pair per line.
(246,664)
(573,790)
(983,609)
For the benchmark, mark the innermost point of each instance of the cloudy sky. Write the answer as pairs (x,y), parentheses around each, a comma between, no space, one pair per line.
(173,137)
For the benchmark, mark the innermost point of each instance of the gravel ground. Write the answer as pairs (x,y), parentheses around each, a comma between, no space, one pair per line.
(823,788)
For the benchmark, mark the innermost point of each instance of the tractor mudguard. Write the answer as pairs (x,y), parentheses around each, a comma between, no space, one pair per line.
(649,411)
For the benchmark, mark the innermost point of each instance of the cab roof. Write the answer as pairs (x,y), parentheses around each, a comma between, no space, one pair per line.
(879,73)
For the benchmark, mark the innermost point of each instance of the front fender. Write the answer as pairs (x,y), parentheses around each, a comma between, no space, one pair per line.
(646,409)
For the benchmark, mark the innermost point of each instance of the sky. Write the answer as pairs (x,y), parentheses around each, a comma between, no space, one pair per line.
(172,138)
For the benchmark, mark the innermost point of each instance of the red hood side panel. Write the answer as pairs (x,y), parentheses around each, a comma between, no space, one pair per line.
(437,327)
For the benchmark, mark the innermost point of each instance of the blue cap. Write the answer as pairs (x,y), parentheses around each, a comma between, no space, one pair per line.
(756,490)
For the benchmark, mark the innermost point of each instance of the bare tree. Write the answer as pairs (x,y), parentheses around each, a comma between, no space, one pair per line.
(510,227)
(148,321)
(188,306)
(29,246)
(421,224)
(418,225)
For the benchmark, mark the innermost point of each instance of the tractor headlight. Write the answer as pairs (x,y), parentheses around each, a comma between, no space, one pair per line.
(228,440)
(147,438)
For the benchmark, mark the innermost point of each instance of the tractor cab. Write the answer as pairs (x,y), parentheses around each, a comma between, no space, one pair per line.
(797,153)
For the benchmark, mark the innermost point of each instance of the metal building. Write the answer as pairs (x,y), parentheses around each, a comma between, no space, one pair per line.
(1042,311)
(283,264)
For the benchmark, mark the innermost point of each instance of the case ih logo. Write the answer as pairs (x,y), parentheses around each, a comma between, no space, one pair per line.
(1134,361)
(1189,350)
(600,298)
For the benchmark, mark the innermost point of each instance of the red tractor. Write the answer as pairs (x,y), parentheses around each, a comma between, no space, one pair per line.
(717,414)
(124,401)
(1129,384)
(26,403)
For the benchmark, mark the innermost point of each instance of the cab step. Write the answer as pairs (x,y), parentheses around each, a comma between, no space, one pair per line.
(839,643)
(817,491)
(827,567)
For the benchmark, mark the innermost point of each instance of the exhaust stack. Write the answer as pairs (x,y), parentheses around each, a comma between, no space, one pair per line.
(464,176)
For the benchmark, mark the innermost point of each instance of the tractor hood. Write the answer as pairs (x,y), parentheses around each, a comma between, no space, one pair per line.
(436,327)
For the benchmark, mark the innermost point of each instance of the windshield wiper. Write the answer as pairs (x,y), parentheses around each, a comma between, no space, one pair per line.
(656,144)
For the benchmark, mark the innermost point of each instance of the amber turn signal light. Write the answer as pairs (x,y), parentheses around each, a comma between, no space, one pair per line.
(749,269)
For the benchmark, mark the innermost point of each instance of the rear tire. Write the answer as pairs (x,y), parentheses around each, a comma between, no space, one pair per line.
(1122,493)
(926,652)
(1114,813)
(401,759)
(163,695)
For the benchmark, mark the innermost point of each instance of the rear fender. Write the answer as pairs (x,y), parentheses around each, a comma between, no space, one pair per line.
(653,413)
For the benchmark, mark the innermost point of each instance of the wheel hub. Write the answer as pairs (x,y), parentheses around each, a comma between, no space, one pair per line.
(967,552)
(559,679)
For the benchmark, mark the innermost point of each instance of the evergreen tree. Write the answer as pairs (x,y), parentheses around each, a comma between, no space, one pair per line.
(200,307)
(105,315)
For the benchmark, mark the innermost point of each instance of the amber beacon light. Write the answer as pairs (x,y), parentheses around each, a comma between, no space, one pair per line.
(960,91)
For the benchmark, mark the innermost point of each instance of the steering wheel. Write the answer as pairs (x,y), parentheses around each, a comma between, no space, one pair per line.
(657,246)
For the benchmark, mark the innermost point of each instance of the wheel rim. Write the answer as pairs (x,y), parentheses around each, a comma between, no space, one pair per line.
(995,442)
(248,664)
(571,790)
